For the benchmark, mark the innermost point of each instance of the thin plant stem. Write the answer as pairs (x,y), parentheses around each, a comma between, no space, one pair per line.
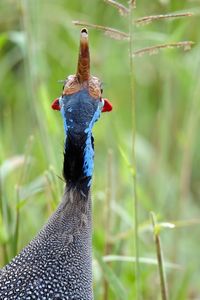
(123,10)
(22,178)
(149,19)
(160,259)
(186,45)
(16,230)
(188,149)
(111,32)
(135,199)
(108,243)
(3,246)
(2,213)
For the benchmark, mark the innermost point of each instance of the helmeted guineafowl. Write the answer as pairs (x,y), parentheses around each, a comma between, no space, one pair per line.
(57,263)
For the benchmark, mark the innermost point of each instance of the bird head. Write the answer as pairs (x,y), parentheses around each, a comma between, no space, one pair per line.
(81,104)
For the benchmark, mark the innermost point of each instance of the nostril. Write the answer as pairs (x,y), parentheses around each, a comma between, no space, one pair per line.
(84,30)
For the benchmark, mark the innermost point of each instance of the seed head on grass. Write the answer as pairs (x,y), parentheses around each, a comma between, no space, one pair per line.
(149,19)
(186,45)
(111,32)
(123,10)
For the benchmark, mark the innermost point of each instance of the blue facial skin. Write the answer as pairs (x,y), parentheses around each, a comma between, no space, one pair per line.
(79,111)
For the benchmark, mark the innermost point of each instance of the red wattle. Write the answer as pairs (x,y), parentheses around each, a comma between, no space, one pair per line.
(107,105)
(55,105)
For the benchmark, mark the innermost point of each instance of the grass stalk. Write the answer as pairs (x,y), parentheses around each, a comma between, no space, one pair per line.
(22,178)
(186,45)
(135,198)
(111,32)
(123,10)
(17,219)
(3,246)
(188,148)
(108,244)
(3,210)
(150,19)
(160,259)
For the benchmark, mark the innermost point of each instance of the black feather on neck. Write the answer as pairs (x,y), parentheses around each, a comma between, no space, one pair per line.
(73,165)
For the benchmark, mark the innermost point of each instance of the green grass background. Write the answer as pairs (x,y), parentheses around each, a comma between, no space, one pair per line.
(39,46)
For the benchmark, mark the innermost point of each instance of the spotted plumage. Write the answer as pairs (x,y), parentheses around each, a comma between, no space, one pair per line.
(57,263)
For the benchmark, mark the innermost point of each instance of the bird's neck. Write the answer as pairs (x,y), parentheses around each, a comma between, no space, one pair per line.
(79,162)
(69,231)
(75,211)
(73,215)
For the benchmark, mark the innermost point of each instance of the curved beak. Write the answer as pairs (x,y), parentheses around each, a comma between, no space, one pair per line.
(83,68)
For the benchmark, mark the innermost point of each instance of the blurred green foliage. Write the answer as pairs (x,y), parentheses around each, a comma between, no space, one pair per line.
(38,47)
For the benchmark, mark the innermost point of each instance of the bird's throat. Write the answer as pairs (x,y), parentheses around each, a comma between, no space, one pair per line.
(79,162)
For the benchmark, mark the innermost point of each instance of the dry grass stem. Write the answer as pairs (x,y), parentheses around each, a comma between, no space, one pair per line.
(143,260)
(111,32)
(108,218)
(160,258)
(149,19)
(132,3)
(186,45)
(123,10)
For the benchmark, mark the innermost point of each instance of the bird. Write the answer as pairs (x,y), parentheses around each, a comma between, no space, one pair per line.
(57,263)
